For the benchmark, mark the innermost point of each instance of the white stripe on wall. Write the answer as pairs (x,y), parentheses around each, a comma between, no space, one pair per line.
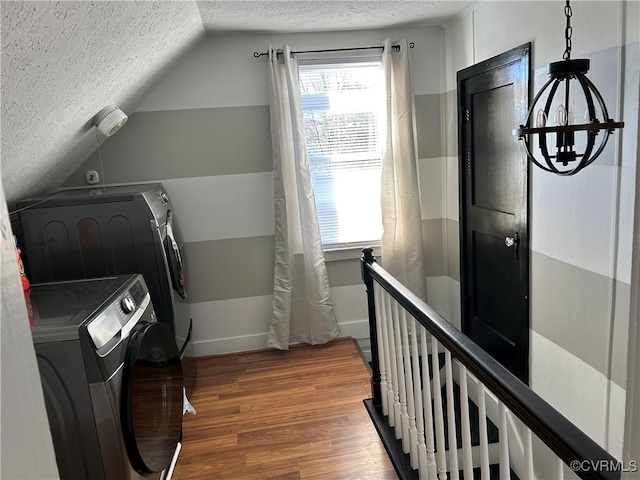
(223,206)
(219,72)
(437,294)
(242,324)
(625,228)
(350,303)
(573,217)
(430,181)
(443,295)
(227,326)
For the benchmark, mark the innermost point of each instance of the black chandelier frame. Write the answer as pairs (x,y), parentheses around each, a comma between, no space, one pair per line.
(562,73)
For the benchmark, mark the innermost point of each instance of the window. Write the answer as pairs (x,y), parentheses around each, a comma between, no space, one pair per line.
(343,106)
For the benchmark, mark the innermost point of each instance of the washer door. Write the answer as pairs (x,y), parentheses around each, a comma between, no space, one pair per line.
(152,396)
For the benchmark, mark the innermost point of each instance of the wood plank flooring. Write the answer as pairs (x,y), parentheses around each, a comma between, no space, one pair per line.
(282,415)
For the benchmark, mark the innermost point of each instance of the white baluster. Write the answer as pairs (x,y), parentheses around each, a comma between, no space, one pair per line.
(484,439)
(389,354)
(558,473)
(528,455)
(451,416)
(380,327)
(393,358)
(504,442)
(412,433)
(439,418)
(421,447)
(403,433)
(428,411)
(467,459)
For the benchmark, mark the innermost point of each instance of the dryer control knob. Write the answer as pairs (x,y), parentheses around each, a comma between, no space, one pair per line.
(165,198)
(127,305)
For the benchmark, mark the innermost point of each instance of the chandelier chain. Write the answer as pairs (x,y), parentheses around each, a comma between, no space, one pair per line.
(568,31)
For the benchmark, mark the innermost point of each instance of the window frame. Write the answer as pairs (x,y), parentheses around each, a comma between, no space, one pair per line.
(346,250)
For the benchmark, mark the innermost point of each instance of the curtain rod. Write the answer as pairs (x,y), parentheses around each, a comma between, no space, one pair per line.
(279,51)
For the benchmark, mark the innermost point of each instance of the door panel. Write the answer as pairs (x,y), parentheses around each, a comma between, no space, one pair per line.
(494,232)
(489,297)
(493,167)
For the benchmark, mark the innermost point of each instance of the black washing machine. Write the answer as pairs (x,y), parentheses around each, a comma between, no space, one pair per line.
(112,230)
(111,377)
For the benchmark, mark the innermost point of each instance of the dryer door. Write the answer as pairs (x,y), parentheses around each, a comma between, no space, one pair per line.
(152,396)
(172,250)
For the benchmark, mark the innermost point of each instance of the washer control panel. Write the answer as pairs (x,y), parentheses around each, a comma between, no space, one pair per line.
(108,324)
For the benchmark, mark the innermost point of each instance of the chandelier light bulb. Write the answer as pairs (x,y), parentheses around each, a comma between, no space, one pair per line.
(561,118)
(541,119)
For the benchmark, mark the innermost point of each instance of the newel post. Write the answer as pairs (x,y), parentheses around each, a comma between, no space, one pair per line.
(368,258)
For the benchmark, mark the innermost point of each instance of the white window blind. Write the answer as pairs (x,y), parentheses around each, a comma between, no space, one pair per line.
(343,105)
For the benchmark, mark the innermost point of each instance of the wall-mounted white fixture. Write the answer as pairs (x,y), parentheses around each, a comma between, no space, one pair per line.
(92,177)
(110,119)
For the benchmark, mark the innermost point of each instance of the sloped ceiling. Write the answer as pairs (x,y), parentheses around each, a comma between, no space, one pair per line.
(63,61)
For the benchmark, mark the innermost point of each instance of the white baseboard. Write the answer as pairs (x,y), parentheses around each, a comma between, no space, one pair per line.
(358,330)
(220,346)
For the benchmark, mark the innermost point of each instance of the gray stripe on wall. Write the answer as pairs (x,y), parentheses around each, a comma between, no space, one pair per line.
(435,250)
(571,307)
(185,143)
(451,119)
(243,267)
(230,268)
(432,243)
(621,334)
(429,125)
(453,249)
(343,273)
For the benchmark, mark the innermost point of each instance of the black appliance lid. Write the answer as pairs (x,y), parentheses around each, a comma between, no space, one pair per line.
(97,194)
(59,308)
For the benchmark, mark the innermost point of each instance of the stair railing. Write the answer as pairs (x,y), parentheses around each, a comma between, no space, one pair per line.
(408,341)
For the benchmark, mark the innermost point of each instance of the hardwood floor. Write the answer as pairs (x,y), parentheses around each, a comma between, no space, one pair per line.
(282,415)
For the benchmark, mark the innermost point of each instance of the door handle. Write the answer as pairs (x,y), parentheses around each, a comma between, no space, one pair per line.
(511,241)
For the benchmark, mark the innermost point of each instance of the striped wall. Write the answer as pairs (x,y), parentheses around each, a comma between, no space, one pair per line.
(581,226)
(204,133)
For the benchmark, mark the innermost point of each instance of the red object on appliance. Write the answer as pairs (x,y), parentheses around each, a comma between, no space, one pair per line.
(23,277)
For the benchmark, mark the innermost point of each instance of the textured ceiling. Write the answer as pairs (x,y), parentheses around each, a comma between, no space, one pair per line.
(63,61)
(320,15)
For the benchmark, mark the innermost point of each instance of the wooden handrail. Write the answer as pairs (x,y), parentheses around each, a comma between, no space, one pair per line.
(566,440)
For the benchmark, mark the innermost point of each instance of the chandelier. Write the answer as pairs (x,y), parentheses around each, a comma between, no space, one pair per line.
(566,144)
